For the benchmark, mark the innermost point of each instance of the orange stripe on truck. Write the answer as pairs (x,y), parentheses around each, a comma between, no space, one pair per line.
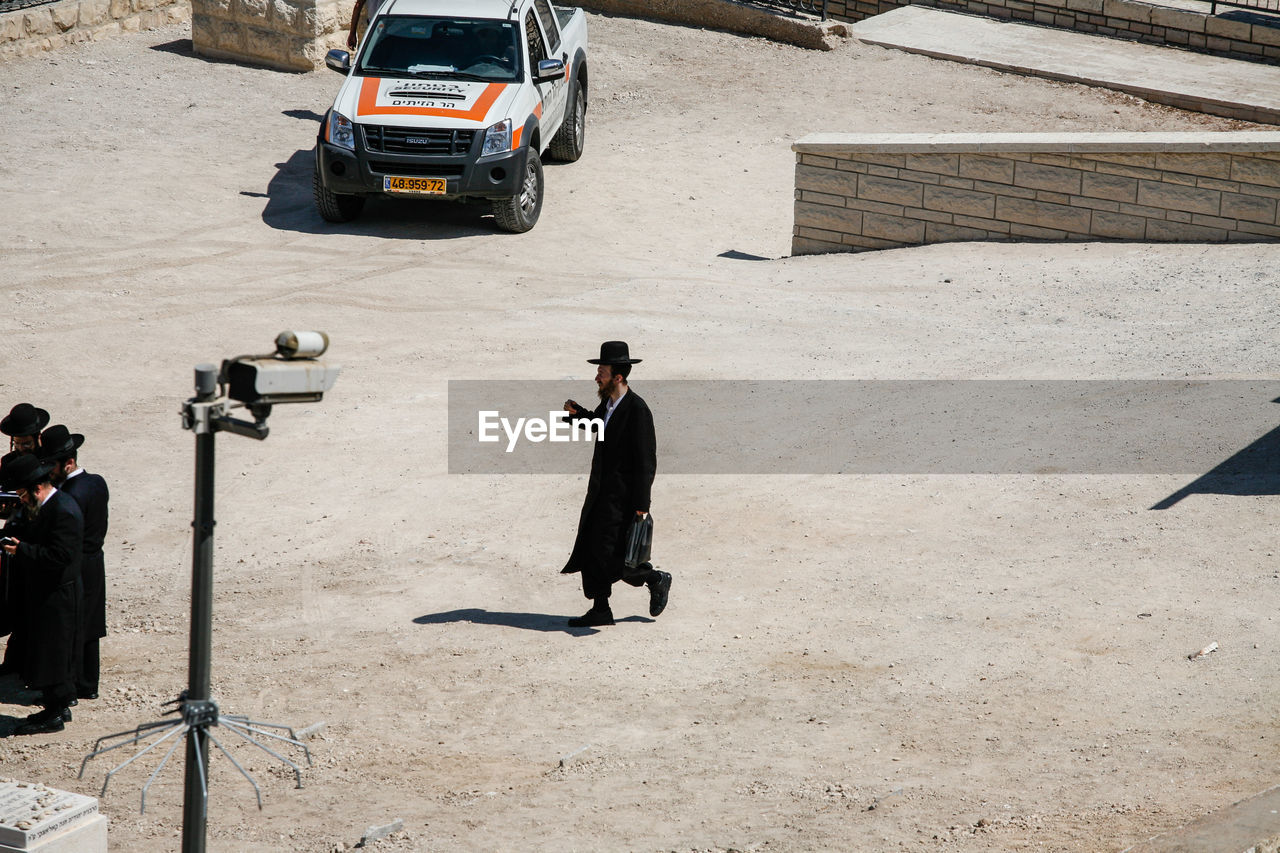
(515,138)
(368,103)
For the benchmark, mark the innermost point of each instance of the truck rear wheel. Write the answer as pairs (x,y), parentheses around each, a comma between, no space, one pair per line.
(567,144)
(520,212)
(332,206)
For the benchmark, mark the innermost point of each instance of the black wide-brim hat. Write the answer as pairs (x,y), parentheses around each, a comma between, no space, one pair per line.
(23,471)
(58,441)
(614,352)
(24,419)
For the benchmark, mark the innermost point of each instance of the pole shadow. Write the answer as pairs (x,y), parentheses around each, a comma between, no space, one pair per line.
(1252,471)
(544,622)
(304,115)
(290,208)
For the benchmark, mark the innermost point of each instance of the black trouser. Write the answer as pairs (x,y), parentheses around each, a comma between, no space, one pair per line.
(606,566)
(58,696)
(87,675)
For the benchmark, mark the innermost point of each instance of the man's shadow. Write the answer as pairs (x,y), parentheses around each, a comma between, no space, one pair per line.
(528,621)
(1253,470)
(12,692)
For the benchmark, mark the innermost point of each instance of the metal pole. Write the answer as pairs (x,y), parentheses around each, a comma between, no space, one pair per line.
(195,795)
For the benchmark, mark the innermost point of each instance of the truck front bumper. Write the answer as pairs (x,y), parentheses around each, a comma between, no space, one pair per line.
(360,173)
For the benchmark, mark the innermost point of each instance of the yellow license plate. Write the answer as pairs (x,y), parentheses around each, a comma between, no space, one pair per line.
(419,186)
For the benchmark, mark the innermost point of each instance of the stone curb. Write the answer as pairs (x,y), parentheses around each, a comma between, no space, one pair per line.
(733,17)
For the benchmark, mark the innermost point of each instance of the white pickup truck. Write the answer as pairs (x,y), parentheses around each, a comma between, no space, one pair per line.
(455,99)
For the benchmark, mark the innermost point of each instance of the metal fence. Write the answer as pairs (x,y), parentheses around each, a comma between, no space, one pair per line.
(813,7)
(1272,6)
(15,5)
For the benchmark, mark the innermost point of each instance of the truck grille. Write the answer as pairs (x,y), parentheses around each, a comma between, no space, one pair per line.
(426,170)
(412,140)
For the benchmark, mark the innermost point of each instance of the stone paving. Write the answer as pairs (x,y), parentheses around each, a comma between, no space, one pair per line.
(1179,78)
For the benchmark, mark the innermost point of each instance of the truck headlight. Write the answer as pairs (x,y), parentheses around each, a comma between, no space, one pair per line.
(342,132)
(497,139)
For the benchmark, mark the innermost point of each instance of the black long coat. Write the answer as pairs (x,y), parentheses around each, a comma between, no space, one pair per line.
(90,492)
(48,560)
(12,617)
(623,465)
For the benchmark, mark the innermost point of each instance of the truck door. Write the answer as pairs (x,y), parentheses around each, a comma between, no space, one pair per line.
(554,94)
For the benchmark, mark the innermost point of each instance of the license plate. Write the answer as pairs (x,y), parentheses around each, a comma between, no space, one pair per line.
(416,186)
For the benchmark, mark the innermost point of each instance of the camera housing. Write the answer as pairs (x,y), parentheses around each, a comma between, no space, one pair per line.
(292,375)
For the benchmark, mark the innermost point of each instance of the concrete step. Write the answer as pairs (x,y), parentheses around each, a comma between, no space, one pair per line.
(1164,75)
(1249,826)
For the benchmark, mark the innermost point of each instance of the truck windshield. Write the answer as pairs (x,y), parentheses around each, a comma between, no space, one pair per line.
(459,48)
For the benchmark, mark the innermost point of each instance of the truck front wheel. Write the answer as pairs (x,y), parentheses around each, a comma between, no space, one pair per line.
(520,212)
(332,206)
(567,144)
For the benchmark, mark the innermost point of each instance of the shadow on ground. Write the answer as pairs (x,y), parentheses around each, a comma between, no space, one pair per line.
(12,692)
(290,208)
(1253,471)
(527,621)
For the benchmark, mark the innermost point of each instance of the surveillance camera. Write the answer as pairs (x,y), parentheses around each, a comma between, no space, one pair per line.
(291,376)
(301,344)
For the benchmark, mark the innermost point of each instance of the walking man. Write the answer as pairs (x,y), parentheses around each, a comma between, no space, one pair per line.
(48,559)
(623,464)
(60,447)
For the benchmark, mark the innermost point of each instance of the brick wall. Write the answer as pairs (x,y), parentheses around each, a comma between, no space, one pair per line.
(1128,19)
(877,191)
(30,31)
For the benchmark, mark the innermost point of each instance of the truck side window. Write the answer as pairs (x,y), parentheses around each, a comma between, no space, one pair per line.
(537,49)
(548,23)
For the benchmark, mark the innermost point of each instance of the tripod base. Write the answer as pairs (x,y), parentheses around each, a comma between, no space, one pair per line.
(200,716)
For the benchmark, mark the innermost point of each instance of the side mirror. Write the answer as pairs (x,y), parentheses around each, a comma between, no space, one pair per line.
(549,71)
(338,60)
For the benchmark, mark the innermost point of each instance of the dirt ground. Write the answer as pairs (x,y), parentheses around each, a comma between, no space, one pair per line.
(848,662)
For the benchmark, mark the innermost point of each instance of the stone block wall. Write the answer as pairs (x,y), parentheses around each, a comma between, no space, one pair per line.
(726,15)
(291,35)
(29,31)
(1224,34)
(878,191)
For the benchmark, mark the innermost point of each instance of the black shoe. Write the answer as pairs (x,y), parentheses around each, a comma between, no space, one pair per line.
(66,714)
(592,618)
(42,722)
(74,702)
(659,589)
(92,695)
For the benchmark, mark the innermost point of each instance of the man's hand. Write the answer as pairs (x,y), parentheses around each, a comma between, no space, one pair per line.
(641,513)
(10,545)
(572,407)
(351,40)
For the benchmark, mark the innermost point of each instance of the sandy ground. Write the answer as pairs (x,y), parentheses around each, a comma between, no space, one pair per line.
(848,662)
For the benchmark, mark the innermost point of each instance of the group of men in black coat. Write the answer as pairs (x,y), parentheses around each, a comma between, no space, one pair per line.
(52,579)
(623,464)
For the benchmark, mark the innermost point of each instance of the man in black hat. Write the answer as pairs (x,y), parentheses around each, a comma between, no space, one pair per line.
(622,468)
(60,447)
(48,559)
(23,425)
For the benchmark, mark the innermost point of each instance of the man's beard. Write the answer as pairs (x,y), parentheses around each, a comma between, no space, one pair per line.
(606,390)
